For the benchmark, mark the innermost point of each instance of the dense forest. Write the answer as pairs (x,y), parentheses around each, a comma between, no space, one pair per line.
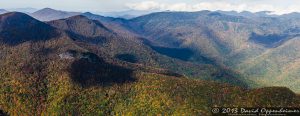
(94,65)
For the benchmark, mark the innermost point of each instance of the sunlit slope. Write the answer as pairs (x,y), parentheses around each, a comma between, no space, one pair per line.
(263,49)
(278,66)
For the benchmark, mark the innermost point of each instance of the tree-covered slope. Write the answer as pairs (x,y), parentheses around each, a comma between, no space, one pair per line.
(84,84)
(259,47)
(63,75)
(101,37)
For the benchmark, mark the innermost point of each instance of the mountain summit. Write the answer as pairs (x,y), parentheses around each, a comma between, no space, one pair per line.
(2,11)
(18,27)
(48,14)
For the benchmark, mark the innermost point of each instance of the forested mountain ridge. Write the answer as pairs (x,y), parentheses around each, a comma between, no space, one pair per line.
(259,47)
(127,46)
(16,28)
(79,66)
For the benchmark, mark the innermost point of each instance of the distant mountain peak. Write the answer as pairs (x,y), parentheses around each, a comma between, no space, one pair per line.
(88,13)
(78,17)
(16,27)
(13,14)
(74,24)
(26,10)
(47,10)
(15,18)
(3,11)
(48,14)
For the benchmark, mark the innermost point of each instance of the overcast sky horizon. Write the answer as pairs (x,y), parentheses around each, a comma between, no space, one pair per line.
(277,6)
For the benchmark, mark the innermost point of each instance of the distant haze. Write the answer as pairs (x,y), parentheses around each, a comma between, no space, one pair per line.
(277,6)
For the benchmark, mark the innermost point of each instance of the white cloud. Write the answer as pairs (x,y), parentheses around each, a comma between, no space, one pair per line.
(216,5)
(146,5)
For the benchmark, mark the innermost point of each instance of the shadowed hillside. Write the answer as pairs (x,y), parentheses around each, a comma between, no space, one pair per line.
(120,41)
(90,69)
(16,28)
(92,32)
(271,40)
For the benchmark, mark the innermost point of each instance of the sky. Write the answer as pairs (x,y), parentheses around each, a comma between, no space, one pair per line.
(277,6)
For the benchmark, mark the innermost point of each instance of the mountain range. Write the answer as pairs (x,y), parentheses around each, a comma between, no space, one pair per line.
(26,10)
(2,11)
(260,48)
(59,63)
